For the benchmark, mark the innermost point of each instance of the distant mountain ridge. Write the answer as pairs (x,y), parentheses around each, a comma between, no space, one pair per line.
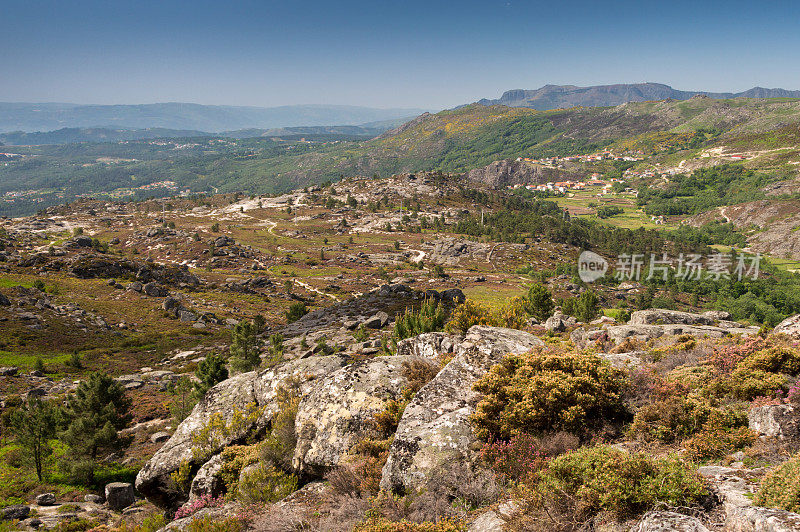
(566,96)
(32,117)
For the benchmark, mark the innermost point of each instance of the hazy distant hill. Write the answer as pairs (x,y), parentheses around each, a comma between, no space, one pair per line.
(99,134)
(565,96)
(185,116)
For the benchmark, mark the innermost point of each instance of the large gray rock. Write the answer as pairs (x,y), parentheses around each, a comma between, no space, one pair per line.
(155,290)
(119,495)
(248,392)
(775,421)
(429,345)
(46,499)
(735,488)
(15,511)
(619,333)
(207,480)
(790,326)
(337,413)
(662,521)
(377,321)
(663,317)
(488,521)
(435,427)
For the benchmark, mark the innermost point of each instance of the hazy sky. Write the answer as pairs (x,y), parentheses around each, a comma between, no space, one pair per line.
(407,53)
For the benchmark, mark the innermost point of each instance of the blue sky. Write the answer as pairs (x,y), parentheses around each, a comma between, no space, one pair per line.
(429,54)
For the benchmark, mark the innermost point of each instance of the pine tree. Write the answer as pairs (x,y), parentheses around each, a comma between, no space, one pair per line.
(210,372)
(244,347)
(97,410)
(539,302)
(33,425)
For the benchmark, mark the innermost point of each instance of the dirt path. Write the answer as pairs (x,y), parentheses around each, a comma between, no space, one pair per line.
(312,289)
(489,257)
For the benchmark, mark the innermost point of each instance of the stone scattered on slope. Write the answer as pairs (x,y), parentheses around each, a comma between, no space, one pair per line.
(435,427)
(662,521)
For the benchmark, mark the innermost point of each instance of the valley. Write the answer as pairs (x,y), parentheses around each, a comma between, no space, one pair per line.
(307,329)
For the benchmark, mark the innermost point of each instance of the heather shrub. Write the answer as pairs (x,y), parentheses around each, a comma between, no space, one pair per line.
(679,416)
(190,508)
(765,372)
(591,480)
(726,357)
(381,524)
(723,433)
(215,524)
(780,488)
(467,314)
(516,459)
(548,391)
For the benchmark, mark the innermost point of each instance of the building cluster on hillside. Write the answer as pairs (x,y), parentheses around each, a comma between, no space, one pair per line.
(650,173)
(589,158)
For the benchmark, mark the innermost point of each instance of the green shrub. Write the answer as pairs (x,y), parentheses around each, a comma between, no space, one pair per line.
(264,483)
(548,391)
(605,479)
(429,317)
(585,307)
(780,488)
(210,372)
(539,302)
(244,347)
(97,411)
(296,311)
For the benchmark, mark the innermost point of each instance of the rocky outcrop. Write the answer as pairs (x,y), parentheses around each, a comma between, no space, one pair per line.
(253,393)
(500,174)
(449,251)
(775,421)
(339,411)
(664,316)
(646,325)
(207,480)
(790,326)
(488,521)
(734,488)
(435,427)
(559,322)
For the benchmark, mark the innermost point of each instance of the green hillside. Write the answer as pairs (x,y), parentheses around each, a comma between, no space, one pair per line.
(451,141)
